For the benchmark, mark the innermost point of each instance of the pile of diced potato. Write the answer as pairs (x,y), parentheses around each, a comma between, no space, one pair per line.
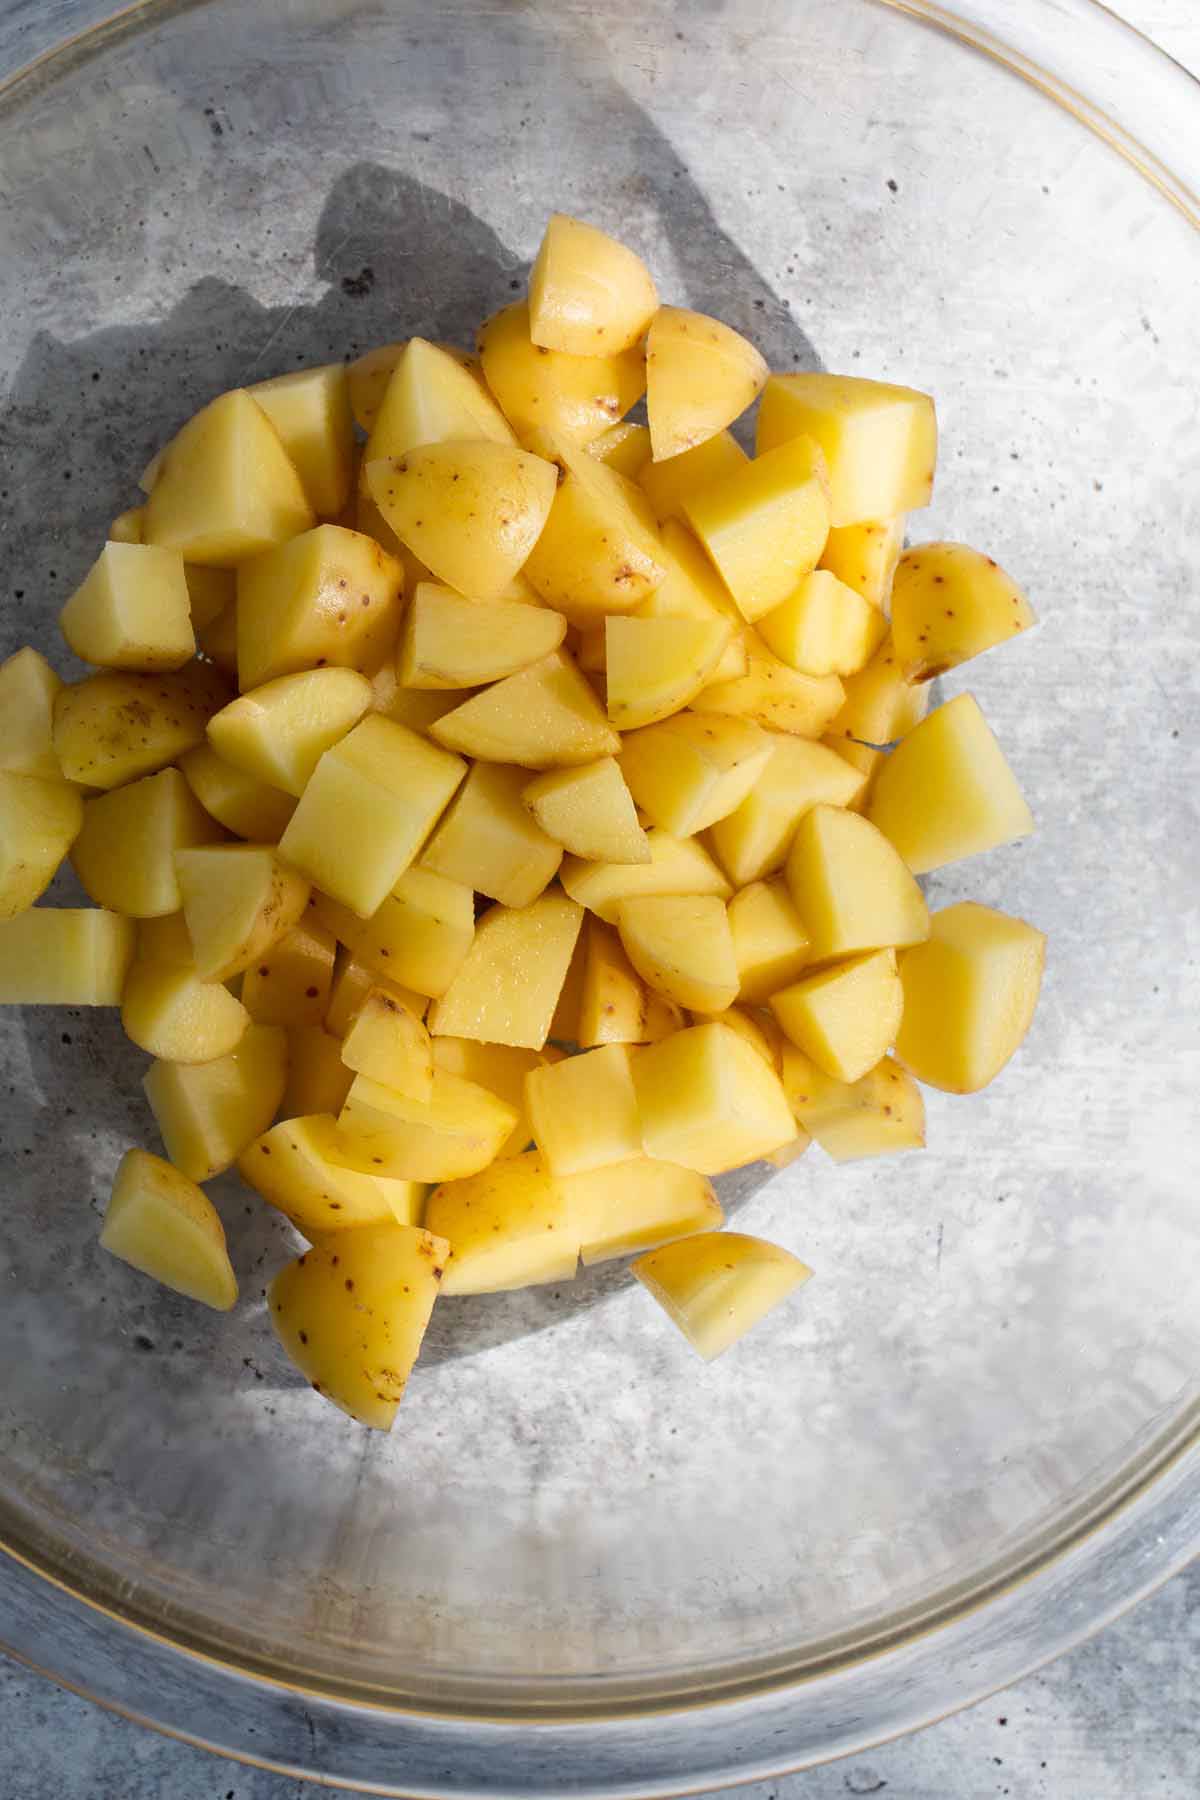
(500,828)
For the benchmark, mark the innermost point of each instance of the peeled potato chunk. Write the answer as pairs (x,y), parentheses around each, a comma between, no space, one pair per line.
(851,889)
(716,1287)
(391,1045)
(431,394)
(624,447)
(765,524)
(28,687)
(317,1078)
(132,610)
(599,552)
(654,667)
(701,374)
(279,732)
(169,1013)
(615,1005)
(865,556)
(39,822)
(456,1131)
(969,996)
(489,841)
(509,983)
(421,934)
(669,485)
(844,1017)
(310,409)
(708,1100)
(754,839)
(163,1225)
(291,1168)
(770,944)
(508,1227)
(950,603)
(545,389)
(238,900)
(681,945)
(125,854)
(543,718)
(583,1110)
(691,770)
(633,1206)
(676,866)
(65,956)
(589,810)
(588,294)
(824,627)
(208,1112)
(449,642)
(877,1115)
(501,1069)
(241,802)
(879,440)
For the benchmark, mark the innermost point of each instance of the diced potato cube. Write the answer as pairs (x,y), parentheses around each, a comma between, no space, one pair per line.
(654,667)
(636,1205)
(508,986)
(599,552)
(329,597)
(947,792)
(770,944)
(583,1110)
(429,398)
(758,1030)
(691,588)
(421,934)
(851,889)
(543,718)
(238,900)
(310,409)
(950,603)
(113,726)
(765,524)
(39,821)
(588,294)
(846,1016)
(879,707)
(169,1013)
(125,853)
(208,1112)
(210,592)
(969,996)
(708,1100)
(545,389)
(163,1225)
(624,447)
(65,956)
(877,1115)
(290,1166)
(689,771)
(132,610)
(507,1227)
(824,627)
(368,808)
(774,695)
(28,686)
(615,1006)
(290,983)
(239,801)
(457,1131)
(489,841)
(225,488)
(669,485)
(280,731)
(879,440)
(449,642)
(865,556)
(676,866)
(127,527)
(352,982)
(391,1045)
(317,1079)
(471,509)
(716,1287)
(701,374)
(754,839)
(589,810)
(681,946)
(501,1069)
(351,1314)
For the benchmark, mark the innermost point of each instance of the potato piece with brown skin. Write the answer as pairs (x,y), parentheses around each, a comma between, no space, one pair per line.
(545,389)
(589,294)
(599,552)
(701,374)
(717,1286)
(682,947)
(125,853)
(950,603)
(39,822)
(508,1227)
(116,725)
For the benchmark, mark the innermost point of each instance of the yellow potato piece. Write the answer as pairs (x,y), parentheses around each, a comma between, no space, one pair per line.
(947,792)
(599,552)
(471,509)
(115,725)
(290,983)
(39,821)
(615,1006)
(824,627)
(681,946)
(163,1225)
(717,1287)
(352,982)
(654,667)
(208,1112)
(317,1078)
(757,1029)
(449,642)
(65,956)
(754,839)
(545,717)
(132,610)
(370,805)
(700,375)
(367,378)
(877,1115)
(669,485)
(289,1165)
(328,597)
(489,841)
(458,1130)
(239,801)
(421,934)
(691,588)
(508,986)
(508,1227)
(589,294)
(708,1101)
(950,603)
(879,440)
(539,388)
(880,706)
(351,1314)
(310,409)
(589,811)
(624,447)
(775,696)
(865,556)
(279,732)
(969,996)
(225,489)
(418,708)
(169,1013)
(691,770)
(844,1017)
(765,524)
(583,1110)
(238,900)
(501,1069)
(125,853)
(676,866)
(634,1206)
(770,944)
(429,398)
(391,1045)
(28,688)
(850,888)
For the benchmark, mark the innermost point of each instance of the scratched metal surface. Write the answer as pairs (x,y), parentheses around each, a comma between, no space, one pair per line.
(993,1330)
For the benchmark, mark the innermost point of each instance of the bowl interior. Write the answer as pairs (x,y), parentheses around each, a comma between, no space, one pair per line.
(571,1508)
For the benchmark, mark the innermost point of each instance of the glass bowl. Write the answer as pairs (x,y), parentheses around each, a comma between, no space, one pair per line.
(584,1561)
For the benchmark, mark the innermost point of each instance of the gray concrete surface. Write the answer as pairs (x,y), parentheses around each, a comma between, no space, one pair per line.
(1114,1720)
